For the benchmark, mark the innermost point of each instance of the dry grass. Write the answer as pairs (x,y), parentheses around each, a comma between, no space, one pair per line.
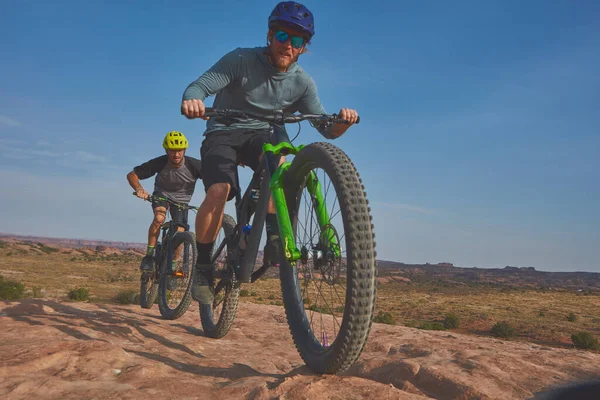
(538,316)
(55,273)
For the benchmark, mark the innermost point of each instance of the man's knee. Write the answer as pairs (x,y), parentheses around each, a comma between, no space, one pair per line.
(217,194)
(159,216)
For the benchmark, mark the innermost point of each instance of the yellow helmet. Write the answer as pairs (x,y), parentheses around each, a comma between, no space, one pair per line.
(175,141)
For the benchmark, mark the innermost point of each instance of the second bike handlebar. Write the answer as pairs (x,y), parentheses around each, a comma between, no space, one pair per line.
(179,205)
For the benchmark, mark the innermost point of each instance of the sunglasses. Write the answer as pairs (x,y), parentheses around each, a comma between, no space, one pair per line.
(282,37)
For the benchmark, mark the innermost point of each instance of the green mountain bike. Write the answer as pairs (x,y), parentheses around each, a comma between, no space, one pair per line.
(327,271)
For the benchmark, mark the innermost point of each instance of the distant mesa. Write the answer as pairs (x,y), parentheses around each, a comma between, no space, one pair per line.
(517,269)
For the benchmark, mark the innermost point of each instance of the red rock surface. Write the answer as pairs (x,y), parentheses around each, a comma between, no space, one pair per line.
(54,350)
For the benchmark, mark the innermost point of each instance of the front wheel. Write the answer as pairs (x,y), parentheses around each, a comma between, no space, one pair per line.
(329,294)
(174,289)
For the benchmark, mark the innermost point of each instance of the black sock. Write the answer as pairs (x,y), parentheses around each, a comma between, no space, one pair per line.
(204,252)
(272,227)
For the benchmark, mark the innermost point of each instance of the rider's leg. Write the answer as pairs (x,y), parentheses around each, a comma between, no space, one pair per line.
(219,169)
(181,216)
(153,231)
(209,219)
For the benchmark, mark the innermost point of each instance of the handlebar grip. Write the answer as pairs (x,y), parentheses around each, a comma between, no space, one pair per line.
(149,198)
(206,110)
(343,121)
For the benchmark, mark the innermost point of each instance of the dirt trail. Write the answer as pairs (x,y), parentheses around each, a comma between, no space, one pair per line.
(54,350)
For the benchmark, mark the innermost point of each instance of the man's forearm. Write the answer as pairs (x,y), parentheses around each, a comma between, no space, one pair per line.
(134,182)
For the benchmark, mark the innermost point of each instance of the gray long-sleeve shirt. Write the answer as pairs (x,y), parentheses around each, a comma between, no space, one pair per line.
(244,79)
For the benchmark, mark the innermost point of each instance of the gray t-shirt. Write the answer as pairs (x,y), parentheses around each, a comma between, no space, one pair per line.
(177,184)
(243,79)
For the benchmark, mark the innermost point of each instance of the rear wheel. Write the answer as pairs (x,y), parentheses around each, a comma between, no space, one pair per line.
(329,294)
(174,290)
(218,317)
(149,286)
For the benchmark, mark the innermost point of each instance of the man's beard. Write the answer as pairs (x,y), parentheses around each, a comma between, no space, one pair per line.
(280,62)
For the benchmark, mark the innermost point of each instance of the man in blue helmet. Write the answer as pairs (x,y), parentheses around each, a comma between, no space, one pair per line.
(259,80)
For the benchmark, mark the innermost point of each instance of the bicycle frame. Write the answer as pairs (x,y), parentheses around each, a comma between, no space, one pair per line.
(268,179)
(168,232)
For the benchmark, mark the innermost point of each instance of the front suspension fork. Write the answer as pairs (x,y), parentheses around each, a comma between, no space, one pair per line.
(285,225)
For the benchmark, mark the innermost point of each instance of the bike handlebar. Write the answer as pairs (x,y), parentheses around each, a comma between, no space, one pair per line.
(180,205)
(277,116)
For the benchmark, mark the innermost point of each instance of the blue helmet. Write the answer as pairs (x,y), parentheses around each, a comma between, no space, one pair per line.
(293,15)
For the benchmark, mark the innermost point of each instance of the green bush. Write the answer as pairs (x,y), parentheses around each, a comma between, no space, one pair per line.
(244,293)
(128,297)
(504,330)
(571,317)
(451,321)
(384,318)
(79,294)
(542,314)
(432,326)
(11,290)
(585,340)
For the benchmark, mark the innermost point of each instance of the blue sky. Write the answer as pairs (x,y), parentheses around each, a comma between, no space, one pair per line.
(479,142)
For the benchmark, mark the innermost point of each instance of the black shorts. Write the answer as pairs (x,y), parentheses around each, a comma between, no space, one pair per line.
(223,151)
(177,214)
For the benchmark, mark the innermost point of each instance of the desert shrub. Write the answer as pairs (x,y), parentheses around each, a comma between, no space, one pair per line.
(271,297)
(432,326)
(244,293)
(47,249)
(11,290)
(128,297)
(259,298)
(585,340)
(320,309)
(253,293)
(571,317)
(36,292)
(504,330)
(542,314)
(2,244)
(10,253)
(79,294)
(120,277)
(384,318)
(451,321)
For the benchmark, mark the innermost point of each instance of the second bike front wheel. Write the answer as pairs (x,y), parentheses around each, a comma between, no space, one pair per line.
(174,289)
(329,294)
